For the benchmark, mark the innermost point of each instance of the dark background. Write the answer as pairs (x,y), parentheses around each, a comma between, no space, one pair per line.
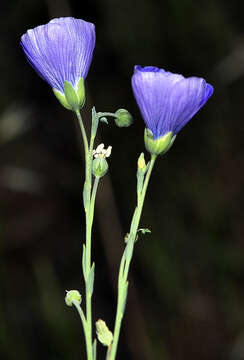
(186,298)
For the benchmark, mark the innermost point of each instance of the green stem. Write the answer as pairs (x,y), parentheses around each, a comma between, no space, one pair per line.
(83,133)
(90,217)
(82,316)
(125,262)
(89,212)
(101,114)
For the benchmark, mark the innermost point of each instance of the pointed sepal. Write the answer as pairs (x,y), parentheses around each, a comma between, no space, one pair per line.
(73,98)
(157,146)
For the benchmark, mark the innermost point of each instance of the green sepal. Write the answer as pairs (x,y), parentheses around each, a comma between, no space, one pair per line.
(72,99)
(71,96)
(99,167)
(62,99)
(81,92)
(158,146)
(90,280)
(170,144)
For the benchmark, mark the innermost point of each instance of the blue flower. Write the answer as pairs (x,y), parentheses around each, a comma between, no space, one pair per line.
(168,101)
(61,51)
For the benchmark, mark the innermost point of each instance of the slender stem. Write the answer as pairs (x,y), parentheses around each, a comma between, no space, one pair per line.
(93,197)
(90,217)
(108,352)
(125,262)
(83,133)
(101,114)
(89,212)
(82,316)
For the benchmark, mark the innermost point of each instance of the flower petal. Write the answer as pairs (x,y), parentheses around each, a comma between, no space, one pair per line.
(60,50)
(168,101)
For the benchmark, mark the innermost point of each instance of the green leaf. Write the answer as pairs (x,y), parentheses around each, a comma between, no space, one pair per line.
(71,96)
(140,178)
(144,231)
(133,220)
(86,197)
(84,261)
(126,238)
(129,249)
(90,279)
(124,298)
(95,121)
(104,120)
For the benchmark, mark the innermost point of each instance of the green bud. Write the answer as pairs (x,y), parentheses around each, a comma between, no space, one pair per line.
(158,146)
(123,118)
(72,99)
(99,166)
(141,164)
(72,295)
(104,335)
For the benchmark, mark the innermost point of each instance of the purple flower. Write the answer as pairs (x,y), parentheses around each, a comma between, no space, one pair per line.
(60,50)
(168,101)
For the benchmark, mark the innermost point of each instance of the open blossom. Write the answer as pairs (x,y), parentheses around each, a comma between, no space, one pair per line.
(60,50)
(168,101)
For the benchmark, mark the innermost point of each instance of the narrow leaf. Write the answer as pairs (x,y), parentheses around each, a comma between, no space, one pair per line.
(104,120)
(84,261)
(90,279)
(129,248)
(144,231)
(140,178)
(125,293)
(95,121)
(86,199)
(133,221)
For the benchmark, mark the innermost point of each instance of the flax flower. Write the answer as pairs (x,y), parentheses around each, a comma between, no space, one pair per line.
(167,101)
(60,51)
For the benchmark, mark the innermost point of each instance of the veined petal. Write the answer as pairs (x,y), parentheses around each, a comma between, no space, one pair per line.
(60,50)
(168,101)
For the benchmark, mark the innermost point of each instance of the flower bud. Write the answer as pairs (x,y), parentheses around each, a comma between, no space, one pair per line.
(123,118)
(141,164)
(72,295)
(103,333)
(157,146)
(99,166)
